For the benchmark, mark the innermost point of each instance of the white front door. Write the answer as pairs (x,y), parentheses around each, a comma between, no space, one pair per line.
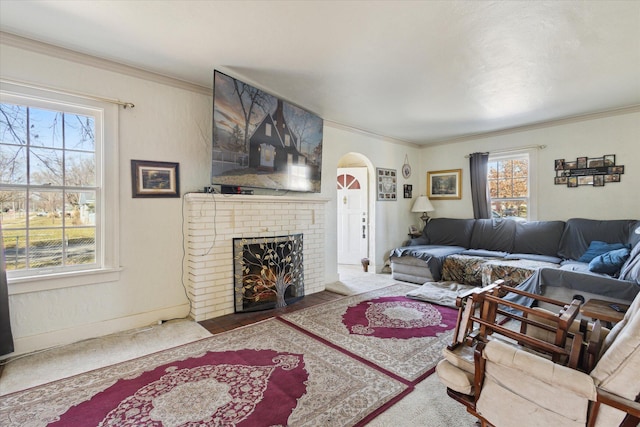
(353,217)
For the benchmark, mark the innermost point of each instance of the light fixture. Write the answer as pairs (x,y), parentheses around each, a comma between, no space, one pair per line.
(422,204)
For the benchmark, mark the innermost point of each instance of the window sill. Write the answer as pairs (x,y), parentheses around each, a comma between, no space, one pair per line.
(47,282)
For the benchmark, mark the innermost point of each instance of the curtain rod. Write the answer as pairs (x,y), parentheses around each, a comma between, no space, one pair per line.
(510,150)
(124,105)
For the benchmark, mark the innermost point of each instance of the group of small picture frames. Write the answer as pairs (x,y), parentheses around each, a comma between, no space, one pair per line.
(387,183)
(594,171)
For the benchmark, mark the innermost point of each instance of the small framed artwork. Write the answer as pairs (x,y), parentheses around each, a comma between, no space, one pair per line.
(598,180)
(616,169)
(572,181)
(561,180)
(609,159)
(445,184)
(585,180)
(582,162)
(408,189)
(387,182)
(559,164)
(155,179)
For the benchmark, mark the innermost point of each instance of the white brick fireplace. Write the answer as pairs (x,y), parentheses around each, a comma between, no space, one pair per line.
(214,220)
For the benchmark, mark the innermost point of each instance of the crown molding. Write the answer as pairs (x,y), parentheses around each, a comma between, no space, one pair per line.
(14,40)
(539,125)
(348,128)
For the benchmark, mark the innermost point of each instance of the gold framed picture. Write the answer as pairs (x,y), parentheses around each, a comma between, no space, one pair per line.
(444,185)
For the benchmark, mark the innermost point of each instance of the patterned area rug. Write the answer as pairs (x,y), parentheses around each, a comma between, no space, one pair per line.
(264,374)
(403,336)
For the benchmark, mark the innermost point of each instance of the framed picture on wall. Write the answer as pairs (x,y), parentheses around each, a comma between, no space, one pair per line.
(408,190)
(445,184)
(155,179)
(387,183)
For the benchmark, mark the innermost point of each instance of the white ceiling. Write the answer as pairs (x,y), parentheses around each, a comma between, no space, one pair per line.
(417,71)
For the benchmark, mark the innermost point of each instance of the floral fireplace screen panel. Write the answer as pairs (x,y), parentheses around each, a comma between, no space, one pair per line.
(268,272)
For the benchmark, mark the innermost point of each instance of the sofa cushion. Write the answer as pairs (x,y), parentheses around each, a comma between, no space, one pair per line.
(484,253)
(533,257)
(620,356)
(538,237)
(579,267)
(454,378)
(449,231)
(579,233)
(609,262)
(493,234)
(631,269)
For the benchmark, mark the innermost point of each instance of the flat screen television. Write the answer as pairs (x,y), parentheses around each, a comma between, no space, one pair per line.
(261,141)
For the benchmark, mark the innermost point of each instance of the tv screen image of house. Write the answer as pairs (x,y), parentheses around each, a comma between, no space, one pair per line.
(261,141)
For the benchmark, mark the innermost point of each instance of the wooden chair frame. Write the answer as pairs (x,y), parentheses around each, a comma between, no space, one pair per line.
(475,330)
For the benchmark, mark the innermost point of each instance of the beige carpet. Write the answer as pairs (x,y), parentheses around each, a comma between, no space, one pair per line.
(428,405)
(61,362)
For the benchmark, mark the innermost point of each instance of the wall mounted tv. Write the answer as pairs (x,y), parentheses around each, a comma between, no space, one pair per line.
(260,141)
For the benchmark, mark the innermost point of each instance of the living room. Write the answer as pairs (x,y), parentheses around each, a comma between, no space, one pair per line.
(172,121)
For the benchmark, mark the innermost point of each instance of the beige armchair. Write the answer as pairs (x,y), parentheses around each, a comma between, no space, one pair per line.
(505,379)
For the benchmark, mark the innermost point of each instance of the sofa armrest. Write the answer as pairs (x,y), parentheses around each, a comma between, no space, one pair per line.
(535,366)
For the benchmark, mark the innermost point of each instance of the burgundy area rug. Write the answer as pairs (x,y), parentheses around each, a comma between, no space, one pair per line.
(266,374)
(400,335)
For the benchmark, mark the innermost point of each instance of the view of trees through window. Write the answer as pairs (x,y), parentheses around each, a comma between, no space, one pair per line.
(508,180)
(47,187)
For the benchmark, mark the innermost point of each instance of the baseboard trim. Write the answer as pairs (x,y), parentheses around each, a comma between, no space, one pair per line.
(24,345)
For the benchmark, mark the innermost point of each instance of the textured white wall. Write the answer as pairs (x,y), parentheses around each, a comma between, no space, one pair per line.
(389,220)
(615,134)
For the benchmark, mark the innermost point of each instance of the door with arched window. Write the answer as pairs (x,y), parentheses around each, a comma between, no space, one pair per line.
(353,221)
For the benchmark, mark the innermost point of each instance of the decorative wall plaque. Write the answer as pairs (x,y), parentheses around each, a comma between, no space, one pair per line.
(594,171)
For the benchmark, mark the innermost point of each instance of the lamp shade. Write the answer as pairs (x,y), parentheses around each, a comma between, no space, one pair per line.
(422,204)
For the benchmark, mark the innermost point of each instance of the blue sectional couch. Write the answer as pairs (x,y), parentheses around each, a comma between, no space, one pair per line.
(551,258)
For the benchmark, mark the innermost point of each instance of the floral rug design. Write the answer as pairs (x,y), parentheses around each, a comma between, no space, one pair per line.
(404,337)
(397,317)
(267,373)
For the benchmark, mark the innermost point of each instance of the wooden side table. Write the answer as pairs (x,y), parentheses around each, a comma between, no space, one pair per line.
(601,309)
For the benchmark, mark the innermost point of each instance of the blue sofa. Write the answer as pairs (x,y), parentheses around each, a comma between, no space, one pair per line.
(550,258)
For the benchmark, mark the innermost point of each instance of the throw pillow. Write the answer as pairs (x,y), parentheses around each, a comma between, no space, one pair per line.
(598,248)
(610,262)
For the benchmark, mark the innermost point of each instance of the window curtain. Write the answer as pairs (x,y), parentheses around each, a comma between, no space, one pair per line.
(478,163)
(6,338)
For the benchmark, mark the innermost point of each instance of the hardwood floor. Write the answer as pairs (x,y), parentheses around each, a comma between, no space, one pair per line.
(235,320)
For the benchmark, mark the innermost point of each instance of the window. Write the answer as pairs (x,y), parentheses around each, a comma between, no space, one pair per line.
(54,189)
(267,129)
(509,185)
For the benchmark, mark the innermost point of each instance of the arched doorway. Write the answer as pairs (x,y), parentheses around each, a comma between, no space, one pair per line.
(353,219)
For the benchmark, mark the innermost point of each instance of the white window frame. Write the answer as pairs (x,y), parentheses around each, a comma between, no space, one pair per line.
(107,266)
(532,184)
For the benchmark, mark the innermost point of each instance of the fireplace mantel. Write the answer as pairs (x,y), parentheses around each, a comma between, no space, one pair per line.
(195,197)
(214,220)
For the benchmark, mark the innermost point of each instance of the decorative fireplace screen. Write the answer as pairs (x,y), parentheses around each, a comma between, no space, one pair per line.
(268,272)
